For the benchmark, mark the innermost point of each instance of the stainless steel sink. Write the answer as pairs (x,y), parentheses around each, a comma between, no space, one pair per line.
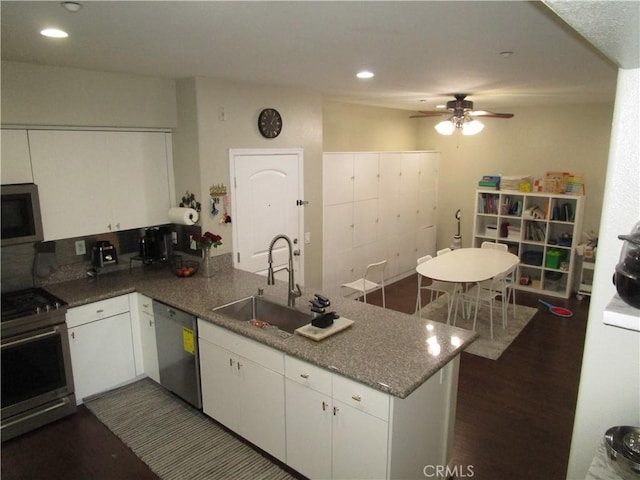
(259,309)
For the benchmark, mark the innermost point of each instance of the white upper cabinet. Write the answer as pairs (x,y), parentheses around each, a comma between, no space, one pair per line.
(93,182)
(365,173)
(16,163)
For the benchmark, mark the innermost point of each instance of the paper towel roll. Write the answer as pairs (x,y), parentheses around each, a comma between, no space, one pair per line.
(183,216)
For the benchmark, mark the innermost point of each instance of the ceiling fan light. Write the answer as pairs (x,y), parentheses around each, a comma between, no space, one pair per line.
(446,127)
(472,127)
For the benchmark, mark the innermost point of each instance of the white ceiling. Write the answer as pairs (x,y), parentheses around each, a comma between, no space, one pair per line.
(420,51)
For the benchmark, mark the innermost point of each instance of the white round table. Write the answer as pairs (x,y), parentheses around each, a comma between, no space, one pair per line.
(467,265)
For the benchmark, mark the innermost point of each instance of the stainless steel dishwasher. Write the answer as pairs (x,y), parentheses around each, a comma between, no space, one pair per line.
(177,341)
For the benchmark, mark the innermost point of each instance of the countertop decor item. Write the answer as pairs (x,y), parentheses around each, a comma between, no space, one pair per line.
(206,242)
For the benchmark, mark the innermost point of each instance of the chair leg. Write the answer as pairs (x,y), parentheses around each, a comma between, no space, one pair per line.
(384,305)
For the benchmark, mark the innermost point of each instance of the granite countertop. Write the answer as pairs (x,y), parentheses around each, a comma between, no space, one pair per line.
(387,350)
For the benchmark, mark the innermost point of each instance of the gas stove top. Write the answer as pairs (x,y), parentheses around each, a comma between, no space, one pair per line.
(30,308)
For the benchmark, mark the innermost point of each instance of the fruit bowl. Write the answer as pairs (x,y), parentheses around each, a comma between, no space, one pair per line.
(184,268)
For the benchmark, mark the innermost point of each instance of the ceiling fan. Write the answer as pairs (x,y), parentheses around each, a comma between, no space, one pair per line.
(461,115)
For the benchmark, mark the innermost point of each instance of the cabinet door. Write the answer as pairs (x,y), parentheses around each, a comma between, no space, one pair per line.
(308,430)
(71,169)
(101,355)
(148,338)
(219,382)
(16,161)
(138,166)
(337,172)
(359,447)
(260,407)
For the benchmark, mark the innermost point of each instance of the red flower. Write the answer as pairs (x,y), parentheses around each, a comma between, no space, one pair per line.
(207,240)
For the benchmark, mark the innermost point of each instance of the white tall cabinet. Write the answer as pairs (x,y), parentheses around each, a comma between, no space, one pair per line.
(377,205)
(101,181)
(16,163)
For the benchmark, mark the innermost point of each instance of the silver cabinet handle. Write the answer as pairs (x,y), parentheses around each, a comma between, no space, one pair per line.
(100,310)
(231,362)
(324,406)
(357,398)
(239,365)
(304,375)
(335,411)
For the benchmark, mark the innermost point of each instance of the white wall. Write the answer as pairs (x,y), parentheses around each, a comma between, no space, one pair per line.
(45,95)
(609,392)
(242,102)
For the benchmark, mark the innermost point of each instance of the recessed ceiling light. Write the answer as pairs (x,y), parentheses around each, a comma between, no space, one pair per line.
(54,33)
(72,7)
(365,74)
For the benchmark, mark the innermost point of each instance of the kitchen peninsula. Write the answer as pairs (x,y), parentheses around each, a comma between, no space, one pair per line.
(397,372)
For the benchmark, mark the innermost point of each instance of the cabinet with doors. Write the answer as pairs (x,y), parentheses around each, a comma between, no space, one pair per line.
(101,345)
(144,333)
(542,229)
(93,182)
(243,386)
(15,157)
(377,205)
(339,428)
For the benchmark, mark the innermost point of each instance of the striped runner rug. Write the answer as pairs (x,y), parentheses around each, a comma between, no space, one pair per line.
(175,440)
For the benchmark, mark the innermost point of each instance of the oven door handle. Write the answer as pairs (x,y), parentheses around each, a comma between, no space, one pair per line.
(32,338)
(61,403)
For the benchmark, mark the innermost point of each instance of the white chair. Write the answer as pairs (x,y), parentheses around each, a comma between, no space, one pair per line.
(509,279)
(443,251)
(365,285)
(436,287)
(478,294)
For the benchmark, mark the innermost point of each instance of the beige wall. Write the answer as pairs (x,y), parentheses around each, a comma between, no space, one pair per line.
(359,128)
(44,95)
(302,120)
(568,138)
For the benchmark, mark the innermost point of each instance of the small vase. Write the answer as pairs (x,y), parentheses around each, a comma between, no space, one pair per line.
(207,269)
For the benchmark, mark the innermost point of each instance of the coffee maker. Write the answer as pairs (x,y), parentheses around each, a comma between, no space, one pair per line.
(155,245)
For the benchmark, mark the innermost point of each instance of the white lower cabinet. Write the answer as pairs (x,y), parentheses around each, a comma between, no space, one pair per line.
(101,344)
(321,424)
(243,386)
(329,438)
(338,428)
(146,329)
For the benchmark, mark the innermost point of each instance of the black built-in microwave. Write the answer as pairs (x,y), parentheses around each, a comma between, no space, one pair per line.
(21,219)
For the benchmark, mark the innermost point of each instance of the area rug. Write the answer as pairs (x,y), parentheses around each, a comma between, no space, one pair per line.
(175,440)
(484,346)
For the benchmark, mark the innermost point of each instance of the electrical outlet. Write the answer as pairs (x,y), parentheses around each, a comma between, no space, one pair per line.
(307,237)
(81,248)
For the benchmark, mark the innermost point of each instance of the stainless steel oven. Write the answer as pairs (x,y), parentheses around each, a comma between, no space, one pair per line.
(37,379)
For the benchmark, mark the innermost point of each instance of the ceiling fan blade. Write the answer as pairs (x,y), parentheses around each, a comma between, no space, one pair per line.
(425,113)
(485,113)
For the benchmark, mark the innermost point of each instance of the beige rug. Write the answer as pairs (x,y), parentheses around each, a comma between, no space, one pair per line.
(484,346)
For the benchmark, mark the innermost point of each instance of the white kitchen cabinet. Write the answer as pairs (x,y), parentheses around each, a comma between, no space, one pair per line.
(243,386)
(377,205)
(94,182)
(101,344)
(145,337)
(15,158)
(338,428)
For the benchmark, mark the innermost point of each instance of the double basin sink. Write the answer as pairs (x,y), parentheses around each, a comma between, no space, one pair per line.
(264,313)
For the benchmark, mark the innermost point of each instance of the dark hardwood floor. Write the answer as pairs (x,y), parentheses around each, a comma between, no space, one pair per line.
(514,416)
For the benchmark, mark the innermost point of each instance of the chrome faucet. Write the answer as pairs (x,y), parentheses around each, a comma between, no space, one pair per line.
(292,294)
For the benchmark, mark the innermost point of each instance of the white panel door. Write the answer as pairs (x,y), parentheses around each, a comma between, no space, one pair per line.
(353,427)
(365,176)
(267,185)
(308,430)
(338,176)
(365,222)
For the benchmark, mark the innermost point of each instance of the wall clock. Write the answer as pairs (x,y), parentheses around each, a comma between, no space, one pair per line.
(270,123)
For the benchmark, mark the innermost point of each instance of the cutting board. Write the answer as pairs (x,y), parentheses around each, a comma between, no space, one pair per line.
(318,334)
